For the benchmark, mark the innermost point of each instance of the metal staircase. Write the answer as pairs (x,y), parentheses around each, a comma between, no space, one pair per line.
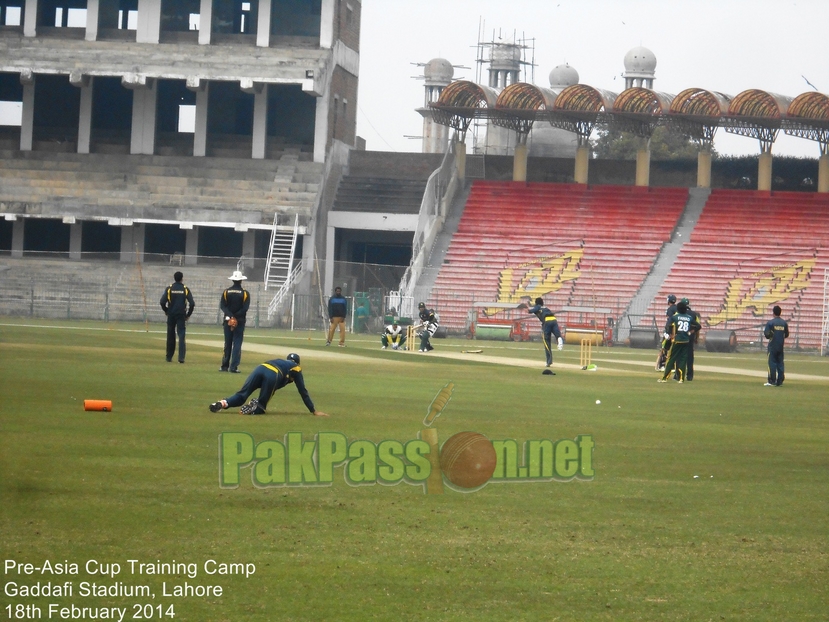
(279,274)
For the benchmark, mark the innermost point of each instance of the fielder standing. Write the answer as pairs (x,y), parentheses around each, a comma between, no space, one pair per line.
(776,331)
(234,303)
(177,303)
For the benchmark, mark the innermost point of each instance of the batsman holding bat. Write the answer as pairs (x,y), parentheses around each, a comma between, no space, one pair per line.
(666,338)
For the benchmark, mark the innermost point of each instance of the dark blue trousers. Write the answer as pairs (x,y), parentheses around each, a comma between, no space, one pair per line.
(232,355)
(776,372)
(176,325)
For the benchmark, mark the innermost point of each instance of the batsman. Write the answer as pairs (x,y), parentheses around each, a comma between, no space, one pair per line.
(666,341)
(679,330)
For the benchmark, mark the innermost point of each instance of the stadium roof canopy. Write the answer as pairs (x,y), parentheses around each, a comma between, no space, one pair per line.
(695,112)
(519,103)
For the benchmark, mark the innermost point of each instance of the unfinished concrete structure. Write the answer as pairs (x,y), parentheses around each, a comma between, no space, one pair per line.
(197,128)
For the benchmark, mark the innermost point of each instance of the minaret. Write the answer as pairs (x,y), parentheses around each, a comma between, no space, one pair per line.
(640,68)
(437,74)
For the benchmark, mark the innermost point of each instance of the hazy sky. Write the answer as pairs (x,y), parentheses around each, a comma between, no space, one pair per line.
(720,45)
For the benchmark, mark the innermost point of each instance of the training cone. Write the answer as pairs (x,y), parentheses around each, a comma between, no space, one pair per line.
(103,405)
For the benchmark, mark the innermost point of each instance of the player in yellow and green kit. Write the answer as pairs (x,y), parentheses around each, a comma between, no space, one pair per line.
(679,329)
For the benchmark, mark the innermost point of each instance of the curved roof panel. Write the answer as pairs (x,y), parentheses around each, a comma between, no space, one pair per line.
(639,100)
(757,103)
(700,103)
(466,94)
(812,105)
(523,96)
(584,98)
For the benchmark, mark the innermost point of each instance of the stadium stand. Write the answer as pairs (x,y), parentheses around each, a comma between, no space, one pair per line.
(591,245)
(750,251)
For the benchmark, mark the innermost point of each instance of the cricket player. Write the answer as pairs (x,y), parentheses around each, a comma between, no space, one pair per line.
(679,329)
(429,325)
(549,325)
(393,336)
(666,343)
(776,331)
(268,377)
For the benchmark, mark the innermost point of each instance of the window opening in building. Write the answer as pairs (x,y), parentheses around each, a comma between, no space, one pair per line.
(11,15)
(11,113)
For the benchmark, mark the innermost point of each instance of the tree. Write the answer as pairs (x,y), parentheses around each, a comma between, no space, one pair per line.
(664,145)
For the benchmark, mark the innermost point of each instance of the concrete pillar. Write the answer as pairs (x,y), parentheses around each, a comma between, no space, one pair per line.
(704,169)
(27,123)
(75,238)
(519,163)
(582,161)
(328,272)
(643,166)
(201,89)
(142,137)
(823,173)
(263,24)
(321,126)
(205,21)
(327,19)
(191,247)
(92,10)
(460,160)
(149,21)
(85,118)
(18,231)
(30,18)
(260,122)
(249,246)
(132,243)
(764,171)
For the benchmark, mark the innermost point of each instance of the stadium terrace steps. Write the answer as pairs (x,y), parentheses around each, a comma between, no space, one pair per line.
(602,240)
(778,255)
(57,183)
(370,194)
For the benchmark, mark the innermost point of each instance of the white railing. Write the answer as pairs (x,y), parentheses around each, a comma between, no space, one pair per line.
(439,189)
(293,276)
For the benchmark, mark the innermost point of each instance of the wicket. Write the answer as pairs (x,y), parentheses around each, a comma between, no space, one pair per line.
(585,353)
(410,338)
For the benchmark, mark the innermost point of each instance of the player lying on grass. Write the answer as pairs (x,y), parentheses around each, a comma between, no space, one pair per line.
(268,377)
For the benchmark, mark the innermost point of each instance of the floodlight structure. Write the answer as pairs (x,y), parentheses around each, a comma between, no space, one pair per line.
(696,113)
(758,114)
(808,117)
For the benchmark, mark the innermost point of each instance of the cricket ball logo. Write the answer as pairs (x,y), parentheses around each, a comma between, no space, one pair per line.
(467,460)
(540,276)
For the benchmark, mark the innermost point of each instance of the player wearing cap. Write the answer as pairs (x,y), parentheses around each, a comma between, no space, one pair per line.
(393,336)
(234,304)
(268,377)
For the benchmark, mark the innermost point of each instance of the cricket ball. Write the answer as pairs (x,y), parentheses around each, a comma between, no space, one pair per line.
(468,459)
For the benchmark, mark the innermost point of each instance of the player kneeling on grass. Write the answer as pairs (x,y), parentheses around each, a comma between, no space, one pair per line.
(268,377)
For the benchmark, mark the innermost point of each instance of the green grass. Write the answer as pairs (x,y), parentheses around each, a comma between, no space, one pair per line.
(645,540)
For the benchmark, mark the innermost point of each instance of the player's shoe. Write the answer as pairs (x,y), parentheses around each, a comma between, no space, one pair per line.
(768,384)
(680,381)
(250,408)
(217,406)
(662,380)
(383,348)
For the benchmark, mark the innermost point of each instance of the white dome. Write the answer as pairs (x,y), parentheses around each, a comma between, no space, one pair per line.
(563,75)
(439,70)
(640,60)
